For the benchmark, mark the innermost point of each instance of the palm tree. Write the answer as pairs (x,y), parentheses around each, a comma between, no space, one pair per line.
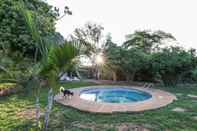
(59,58)
(54,58)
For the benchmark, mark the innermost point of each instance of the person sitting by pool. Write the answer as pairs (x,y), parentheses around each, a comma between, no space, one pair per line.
(66,93)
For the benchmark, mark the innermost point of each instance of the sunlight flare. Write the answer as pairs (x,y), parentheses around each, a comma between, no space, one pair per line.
(99,59)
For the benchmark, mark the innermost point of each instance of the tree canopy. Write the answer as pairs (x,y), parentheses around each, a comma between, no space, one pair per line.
(142,58)
(147,40)
(14,33)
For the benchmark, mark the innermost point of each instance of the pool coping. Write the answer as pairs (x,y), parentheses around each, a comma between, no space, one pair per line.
(159,99)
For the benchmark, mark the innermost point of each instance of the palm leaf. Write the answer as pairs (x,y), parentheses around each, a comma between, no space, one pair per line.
(2,68)
(29,18)
(60,57)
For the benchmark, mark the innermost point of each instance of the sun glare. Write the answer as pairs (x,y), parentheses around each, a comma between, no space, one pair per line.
(99,59)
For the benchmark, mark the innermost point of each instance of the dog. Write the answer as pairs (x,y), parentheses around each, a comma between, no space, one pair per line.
(66,93)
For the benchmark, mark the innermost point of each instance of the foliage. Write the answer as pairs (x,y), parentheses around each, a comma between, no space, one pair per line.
(194,74)
(60,58)
(129,61)
(133,60)
(15,35)
(113,58)
(54,58)
(89,35)
(14,67)
(147,40)
(172,63)
(140,58)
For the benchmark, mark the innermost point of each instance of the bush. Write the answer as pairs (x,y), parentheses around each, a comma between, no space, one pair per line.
(172,64)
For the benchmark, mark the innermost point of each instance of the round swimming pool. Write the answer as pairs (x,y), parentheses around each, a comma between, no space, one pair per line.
(114,95)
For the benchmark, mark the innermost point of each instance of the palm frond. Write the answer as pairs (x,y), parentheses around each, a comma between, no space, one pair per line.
(2,68)
(60,56)
(29,18)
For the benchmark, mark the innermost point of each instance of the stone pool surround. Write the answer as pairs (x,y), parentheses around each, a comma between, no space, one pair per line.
(159,99)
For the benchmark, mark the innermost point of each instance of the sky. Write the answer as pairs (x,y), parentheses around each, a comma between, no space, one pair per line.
(122,17)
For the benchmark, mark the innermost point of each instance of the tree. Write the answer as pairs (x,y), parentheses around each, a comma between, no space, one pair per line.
(54,58)
(133,60)
(113,56)
(172,63)
(128,61)
(147,40)
(109,43)
(90,35)
(15,35)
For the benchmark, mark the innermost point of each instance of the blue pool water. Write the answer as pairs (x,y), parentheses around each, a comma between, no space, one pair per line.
(114,95)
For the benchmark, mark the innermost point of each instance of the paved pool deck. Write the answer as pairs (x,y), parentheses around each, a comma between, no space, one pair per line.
(159,99)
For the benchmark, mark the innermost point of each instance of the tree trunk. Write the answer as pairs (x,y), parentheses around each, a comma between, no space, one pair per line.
(169,79)
(98,74)
(48,110)
(37,110)
(127,78)
(36,83)
(114,76)
(132,76)
(78,74)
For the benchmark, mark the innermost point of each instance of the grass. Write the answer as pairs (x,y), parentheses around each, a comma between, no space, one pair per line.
(65,118)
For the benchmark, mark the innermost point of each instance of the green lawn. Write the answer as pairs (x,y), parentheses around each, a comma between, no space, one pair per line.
(65,118)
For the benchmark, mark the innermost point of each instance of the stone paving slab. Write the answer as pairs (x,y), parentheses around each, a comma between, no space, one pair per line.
(179,109)
(192,96)
(159,99)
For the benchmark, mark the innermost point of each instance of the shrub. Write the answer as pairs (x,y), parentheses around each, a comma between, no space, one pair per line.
(172,64)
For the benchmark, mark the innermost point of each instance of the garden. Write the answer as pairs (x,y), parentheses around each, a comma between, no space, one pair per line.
(36,61)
